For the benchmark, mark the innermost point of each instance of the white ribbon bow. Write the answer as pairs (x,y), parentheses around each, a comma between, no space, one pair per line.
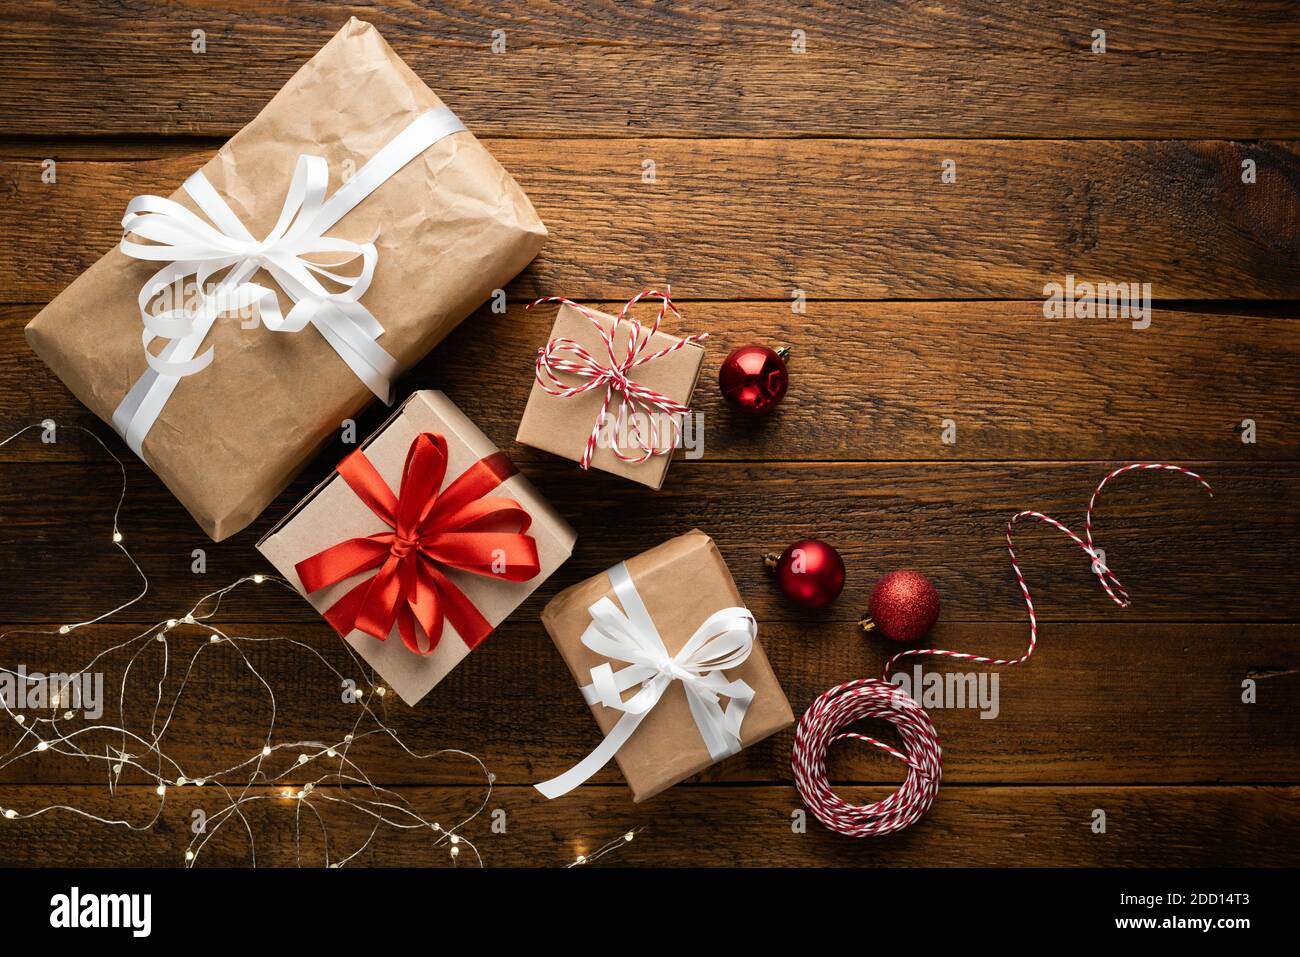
(725,640)
(192,247)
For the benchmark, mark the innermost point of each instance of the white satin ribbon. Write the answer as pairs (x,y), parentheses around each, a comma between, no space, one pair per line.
(192,247)
(723,641)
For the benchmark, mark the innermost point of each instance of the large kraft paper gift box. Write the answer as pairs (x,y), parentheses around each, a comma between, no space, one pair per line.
(688,595)
(449,225)
(480,529)
(562,425)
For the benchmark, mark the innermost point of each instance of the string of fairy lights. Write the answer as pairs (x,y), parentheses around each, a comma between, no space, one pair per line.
(326,767)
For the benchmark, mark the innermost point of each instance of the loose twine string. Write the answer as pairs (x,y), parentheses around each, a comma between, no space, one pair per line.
(822,724)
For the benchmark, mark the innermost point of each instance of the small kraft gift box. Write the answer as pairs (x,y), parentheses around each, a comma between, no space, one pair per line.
(323,250)
(667,657)
(612,393)
(420,544)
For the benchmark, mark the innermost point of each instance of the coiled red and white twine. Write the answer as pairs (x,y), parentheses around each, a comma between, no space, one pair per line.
(635,401)
(821,724)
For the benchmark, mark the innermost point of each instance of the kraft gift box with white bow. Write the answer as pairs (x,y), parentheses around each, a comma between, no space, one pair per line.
(327,247)
(668,658)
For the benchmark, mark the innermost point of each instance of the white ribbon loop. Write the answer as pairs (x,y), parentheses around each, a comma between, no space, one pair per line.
(296,253)
(725,640)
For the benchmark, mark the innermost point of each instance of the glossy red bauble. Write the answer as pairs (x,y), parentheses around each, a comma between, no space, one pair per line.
(810,573)
(903,606)
(753,379)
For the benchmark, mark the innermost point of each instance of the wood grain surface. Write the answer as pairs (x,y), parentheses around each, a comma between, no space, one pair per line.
(950,69)
(694,826)
(1101,704)
(838,219)
(775,171)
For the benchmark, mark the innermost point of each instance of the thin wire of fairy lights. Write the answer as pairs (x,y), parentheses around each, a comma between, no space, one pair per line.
(341,780)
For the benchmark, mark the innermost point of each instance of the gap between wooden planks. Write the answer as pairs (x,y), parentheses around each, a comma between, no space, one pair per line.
(695,826)
(1098,704)
(602,69)
(838,219)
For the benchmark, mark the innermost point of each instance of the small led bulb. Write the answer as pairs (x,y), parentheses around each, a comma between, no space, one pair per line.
(381,691)
(172,622)
(189,855)
(200,781)
(42,746)
(258,579)
(161,789)
(302,759)
(67,715)
(64,629)
(455,851)
(629,835)
(455,839)
(582,859)
(180,782)
(10,813)
(266,751)
(331,752)
(117,537)
(20,718)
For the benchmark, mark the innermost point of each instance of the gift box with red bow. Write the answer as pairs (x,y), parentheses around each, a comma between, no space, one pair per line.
(420,544)
(613,392)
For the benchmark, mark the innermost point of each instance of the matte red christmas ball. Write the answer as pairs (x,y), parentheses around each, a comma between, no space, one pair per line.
(754,378)
(903,606)
(810,573)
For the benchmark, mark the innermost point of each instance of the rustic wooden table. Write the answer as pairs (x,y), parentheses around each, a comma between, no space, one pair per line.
(793,149)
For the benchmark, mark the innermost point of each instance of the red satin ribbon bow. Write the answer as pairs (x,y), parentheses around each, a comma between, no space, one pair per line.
(455,527)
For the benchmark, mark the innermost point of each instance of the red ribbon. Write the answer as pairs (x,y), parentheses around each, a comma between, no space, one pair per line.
(455,528)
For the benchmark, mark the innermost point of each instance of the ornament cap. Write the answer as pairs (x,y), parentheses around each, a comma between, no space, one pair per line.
(783,352)
(770,560)
(866,624)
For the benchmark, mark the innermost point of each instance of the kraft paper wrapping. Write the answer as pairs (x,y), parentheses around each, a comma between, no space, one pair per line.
(681,582)
(452,226)
(333,512)
(562,426)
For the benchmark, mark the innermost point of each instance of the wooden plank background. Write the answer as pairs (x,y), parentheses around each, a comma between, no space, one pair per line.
(775,172)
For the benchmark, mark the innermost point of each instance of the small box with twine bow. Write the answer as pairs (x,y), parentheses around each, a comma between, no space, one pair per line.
(612,392)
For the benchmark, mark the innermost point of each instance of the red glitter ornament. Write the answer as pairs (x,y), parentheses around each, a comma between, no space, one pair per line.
(903,606)
(754,378)
(810,573)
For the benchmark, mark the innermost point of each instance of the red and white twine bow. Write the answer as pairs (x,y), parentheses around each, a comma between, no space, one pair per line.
(638,406)
(820,725)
